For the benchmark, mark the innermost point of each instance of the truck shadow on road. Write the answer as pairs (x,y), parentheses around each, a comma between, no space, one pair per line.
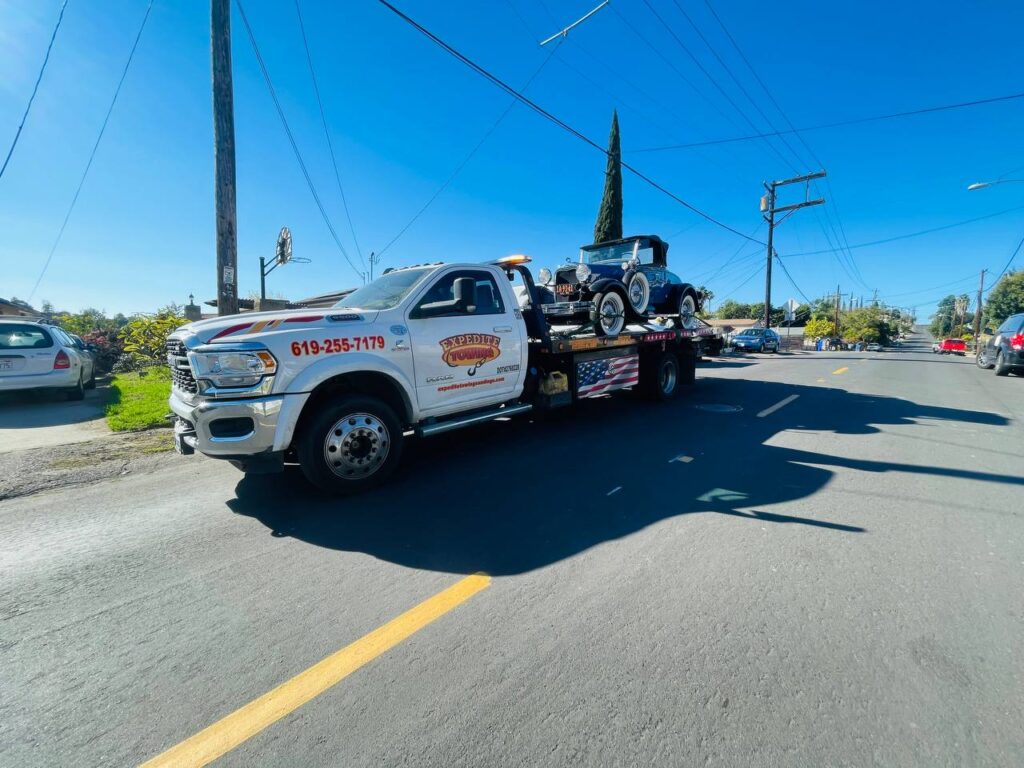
(510,497)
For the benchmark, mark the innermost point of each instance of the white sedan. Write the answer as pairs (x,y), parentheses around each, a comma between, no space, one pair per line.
(34,355)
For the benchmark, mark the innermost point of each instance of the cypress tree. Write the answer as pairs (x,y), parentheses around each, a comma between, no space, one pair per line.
(609,216)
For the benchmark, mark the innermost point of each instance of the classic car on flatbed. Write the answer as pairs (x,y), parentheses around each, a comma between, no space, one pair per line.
(616,282)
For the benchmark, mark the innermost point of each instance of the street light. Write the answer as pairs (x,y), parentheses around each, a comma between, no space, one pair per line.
(983,184)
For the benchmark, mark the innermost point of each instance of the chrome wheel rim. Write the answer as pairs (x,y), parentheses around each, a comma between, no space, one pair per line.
(611,312)
(356,446)
(639,293)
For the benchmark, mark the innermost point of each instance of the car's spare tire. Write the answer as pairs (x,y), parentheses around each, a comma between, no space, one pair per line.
(688,309)
(609,312)
(638,291)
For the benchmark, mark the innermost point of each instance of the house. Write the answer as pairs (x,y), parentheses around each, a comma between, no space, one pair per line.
(16,308)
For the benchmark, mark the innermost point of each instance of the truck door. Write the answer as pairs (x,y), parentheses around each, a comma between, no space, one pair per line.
(465,356)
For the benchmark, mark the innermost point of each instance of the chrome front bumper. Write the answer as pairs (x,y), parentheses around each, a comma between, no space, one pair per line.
(567,307)
(273,423)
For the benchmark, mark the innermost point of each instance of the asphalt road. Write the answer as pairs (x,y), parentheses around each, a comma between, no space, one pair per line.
(835,578)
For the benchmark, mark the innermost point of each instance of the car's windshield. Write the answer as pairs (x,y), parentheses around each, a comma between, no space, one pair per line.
(617,253)
(752,332)
(14,336)
(386,291)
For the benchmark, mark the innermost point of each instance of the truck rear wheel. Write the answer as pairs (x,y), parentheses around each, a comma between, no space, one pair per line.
(660,377)
(350,445)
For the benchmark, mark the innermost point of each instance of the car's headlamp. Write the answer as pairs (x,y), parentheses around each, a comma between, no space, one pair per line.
(583,273)
(545,275)
(232,368)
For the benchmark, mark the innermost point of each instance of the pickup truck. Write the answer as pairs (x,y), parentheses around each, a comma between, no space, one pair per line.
(421,350)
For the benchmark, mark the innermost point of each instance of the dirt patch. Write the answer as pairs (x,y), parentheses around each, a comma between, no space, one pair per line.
(40,469)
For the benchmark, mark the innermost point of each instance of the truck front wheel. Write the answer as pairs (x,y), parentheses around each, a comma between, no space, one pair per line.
(350,445)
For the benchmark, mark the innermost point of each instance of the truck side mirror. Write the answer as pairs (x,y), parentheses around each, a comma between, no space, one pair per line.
(465,294)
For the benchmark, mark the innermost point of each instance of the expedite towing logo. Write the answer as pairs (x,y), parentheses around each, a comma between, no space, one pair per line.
(470,349)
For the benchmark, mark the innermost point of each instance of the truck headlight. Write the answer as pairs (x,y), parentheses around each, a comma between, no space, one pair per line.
(232,368)
(544,275)
(583,273)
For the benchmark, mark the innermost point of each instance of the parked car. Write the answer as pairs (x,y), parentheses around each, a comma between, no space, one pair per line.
(953,347)
(1005,351)
(874,346)
(757,340)
(34,355)
(617,281)
(935,347)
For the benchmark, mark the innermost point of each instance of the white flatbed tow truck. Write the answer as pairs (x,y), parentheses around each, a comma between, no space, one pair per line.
(427,349)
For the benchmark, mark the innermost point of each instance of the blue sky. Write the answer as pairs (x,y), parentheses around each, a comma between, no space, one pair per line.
(403,115)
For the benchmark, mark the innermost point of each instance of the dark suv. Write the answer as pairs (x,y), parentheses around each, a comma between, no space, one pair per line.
(1005,350)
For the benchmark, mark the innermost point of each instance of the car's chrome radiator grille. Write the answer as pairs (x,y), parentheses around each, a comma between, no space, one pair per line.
(181,372)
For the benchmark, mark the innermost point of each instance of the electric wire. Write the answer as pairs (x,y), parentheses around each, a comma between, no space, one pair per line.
(715,83)
(327,134)
(838,230)
(35,89)
(837,124)
(92,154)
(914,234)
(1007,266)
(469,156)
(552,118)
(291,137)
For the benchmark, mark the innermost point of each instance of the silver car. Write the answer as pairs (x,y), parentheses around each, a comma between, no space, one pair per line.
(34,355)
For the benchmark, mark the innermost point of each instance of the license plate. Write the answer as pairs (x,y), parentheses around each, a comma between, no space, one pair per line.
(564,289)
(6,365)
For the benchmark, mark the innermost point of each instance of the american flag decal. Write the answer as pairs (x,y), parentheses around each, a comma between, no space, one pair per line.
(595,377)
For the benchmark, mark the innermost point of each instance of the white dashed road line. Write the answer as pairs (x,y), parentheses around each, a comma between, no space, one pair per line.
(781,404)
(614,490)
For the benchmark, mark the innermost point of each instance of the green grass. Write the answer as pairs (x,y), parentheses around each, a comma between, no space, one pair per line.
(139,401)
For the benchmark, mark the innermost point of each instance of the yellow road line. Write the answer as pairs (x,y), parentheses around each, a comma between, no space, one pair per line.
(244,723)
(837,371)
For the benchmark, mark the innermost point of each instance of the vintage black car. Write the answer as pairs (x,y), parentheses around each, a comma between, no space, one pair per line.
(615,282)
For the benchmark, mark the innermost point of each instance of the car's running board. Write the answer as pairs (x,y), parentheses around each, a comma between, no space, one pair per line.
(458,422)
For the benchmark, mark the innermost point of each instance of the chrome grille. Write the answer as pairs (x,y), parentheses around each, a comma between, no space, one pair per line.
(181,371)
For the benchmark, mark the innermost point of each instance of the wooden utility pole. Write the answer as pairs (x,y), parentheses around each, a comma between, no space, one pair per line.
(977,315)
(224,158)
(769,210)
(837,311)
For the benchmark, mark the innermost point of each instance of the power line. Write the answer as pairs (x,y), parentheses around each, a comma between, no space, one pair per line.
(291,138)
(1011,261)
(469,156)
(791,280)
(35,88)
(552,118)
(739,84)
(838,124)
(914,234)
(932,288)
(92,154)
(715,83)
(327,134)
(840,232)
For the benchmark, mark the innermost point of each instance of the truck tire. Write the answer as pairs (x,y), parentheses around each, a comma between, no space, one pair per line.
(350,445)
(660,377)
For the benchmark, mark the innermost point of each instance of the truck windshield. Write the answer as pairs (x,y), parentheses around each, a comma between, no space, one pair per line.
(386,291)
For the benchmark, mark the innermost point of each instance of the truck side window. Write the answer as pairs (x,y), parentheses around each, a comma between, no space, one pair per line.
(487,296)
